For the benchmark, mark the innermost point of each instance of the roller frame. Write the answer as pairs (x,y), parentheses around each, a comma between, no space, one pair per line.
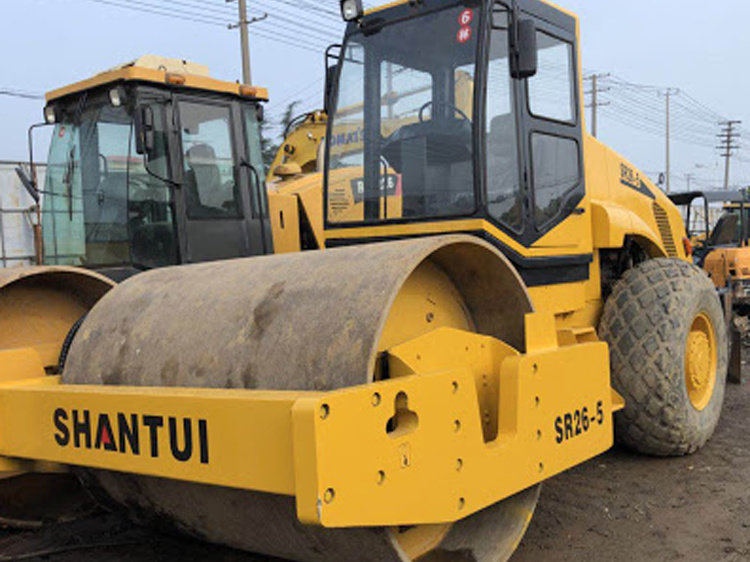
(331,450)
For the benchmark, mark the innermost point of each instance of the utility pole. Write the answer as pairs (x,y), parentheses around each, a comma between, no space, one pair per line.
(244,24)
(728,143)
(668,94)
(595,104)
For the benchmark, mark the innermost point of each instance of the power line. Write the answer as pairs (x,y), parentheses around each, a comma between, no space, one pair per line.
(290,97)
(137,6)
(20,94)
(637,106)
(315,11)
(224,14)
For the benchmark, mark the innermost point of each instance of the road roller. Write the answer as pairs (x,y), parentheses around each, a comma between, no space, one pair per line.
(471,297)
(151,163)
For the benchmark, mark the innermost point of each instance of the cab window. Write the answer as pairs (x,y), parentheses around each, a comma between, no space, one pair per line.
(555,151)
(552,89)
(209,168)
(556,174)
(102,207)
(401,136)
(503,185)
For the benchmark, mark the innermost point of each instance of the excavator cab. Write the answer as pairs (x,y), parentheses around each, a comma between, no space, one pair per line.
(154,164)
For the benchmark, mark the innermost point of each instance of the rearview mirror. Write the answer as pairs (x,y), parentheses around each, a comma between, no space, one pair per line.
(525,61)
(28,184)
(332,59)
(330,76)
(145,138)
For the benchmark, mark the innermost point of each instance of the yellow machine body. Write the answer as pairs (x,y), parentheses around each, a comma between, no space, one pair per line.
(612,212)
(411,383)
(482,400)
(300,152)
(331,451)
(728,265)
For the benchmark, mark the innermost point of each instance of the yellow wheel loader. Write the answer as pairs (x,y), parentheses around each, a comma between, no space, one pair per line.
(497,297)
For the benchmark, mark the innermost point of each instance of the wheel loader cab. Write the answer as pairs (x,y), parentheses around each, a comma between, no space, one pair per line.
(149,168)
(435,120)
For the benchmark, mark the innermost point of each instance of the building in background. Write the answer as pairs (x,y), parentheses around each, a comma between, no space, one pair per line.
(16,217)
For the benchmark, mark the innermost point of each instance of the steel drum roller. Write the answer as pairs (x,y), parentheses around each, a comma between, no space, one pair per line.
(308,321)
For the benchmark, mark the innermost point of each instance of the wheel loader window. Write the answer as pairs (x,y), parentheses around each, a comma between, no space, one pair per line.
(210,186)
(552,89)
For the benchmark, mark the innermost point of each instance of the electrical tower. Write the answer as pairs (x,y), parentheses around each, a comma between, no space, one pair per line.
(595,104)
(728,144)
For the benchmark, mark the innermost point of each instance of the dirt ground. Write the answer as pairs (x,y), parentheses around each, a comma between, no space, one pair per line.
(625,508)
(620,507)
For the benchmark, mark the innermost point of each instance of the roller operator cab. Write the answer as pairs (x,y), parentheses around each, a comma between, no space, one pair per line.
(154,164)
(466,116)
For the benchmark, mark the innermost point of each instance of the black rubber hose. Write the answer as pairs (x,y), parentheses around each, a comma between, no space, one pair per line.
(69,342)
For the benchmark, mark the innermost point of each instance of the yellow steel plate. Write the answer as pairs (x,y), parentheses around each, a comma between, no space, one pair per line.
(240,439)
(473,424)
(555,412)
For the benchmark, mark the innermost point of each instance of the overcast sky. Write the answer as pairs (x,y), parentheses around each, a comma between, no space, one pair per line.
(698,47)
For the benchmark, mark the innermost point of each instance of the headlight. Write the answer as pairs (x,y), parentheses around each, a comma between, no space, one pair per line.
(352,10)
(50,115)
(116,97)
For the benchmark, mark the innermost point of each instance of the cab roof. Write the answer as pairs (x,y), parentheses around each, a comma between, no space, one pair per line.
(688,197)
(162,71)
(389,5)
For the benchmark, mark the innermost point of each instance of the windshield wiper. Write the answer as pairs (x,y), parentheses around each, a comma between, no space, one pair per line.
(70,167)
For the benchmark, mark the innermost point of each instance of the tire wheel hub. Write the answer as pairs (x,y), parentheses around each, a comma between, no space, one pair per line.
(700,362)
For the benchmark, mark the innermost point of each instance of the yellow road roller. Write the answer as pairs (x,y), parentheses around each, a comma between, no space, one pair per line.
(152,163)
(495,297)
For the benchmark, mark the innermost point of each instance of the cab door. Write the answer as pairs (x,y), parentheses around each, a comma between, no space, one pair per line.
(552,136)
(214,196)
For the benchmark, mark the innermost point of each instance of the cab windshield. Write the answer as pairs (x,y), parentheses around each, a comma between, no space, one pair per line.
(401,137)
(102,208)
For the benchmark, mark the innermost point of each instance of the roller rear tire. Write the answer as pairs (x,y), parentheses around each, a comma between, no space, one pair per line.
(669,351)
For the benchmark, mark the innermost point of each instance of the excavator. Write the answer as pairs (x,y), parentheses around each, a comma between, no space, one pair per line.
(471,297)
